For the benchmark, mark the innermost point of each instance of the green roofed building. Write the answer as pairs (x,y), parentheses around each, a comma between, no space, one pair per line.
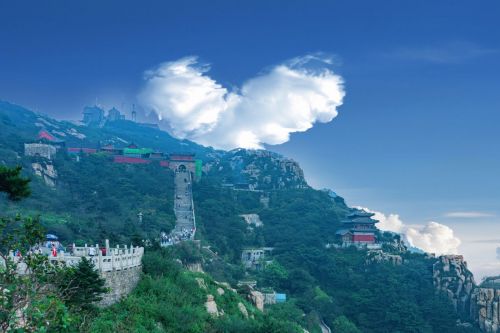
(197,169)
(137,151)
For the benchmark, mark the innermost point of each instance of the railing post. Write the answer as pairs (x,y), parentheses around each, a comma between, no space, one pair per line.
(107,246)
(99,257)
(113,260)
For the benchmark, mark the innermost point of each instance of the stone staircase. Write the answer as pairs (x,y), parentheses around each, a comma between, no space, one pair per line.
(185,225)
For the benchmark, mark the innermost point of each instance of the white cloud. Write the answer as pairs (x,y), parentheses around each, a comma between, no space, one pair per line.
(288,98)
(468,215)
(432,237)
(391,222)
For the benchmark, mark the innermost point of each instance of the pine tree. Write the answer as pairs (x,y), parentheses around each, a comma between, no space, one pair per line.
(82,286)
(13,184)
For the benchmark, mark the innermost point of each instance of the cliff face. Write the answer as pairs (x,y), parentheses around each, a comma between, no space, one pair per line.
(452,277)
(485,310)
(480,305)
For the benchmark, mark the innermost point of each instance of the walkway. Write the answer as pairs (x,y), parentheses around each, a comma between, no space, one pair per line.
(185,225)
(324,327)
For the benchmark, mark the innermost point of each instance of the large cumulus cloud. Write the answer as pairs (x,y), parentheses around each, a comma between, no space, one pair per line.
(432,237)
(287,98)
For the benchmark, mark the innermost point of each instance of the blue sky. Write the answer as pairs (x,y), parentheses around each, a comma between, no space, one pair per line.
(417,133)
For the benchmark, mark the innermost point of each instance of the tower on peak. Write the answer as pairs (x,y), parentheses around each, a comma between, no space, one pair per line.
(134,114)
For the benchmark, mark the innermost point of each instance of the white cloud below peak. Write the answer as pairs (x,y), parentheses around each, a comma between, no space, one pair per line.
(288,98)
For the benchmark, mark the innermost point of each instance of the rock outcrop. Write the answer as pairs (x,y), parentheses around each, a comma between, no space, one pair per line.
(252,220)
(259,169)
(194,267)
(452,277)
(396,246)
(243,309)
(484,309)
(257,299)
(378,256)
(201,283)
(211,306)
(47,171)
(478,304)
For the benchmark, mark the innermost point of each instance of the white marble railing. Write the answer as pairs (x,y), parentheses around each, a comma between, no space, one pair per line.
(113,259)
(116,259)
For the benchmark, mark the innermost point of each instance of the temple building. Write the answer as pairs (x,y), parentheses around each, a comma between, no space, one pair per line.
(114,114)
(358,229)
(45,145)
(92,115)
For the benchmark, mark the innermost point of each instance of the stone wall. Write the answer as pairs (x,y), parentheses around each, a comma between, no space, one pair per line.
(39,149)
(120,284)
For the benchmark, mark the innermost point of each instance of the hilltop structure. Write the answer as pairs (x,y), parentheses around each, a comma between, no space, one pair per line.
(114,114)
(93,115)
(358,230)
(96,116)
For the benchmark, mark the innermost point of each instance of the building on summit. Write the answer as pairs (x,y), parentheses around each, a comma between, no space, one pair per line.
(358,230)
(95,116)
(114,114)
(92,115)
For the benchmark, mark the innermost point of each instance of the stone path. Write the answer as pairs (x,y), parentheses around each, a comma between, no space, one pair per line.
(324,327)
(185,225)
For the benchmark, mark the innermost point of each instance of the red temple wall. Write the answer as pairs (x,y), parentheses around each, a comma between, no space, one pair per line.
(181,158)
(131,160)
(363,238)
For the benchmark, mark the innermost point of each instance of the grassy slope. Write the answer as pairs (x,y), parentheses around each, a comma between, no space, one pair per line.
(169,299)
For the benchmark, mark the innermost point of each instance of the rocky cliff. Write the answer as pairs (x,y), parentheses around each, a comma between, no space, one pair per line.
(258,169)
(485,305)
(477,304)
(452,277)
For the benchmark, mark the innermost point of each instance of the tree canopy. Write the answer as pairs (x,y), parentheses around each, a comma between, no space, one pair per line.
(13,184)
